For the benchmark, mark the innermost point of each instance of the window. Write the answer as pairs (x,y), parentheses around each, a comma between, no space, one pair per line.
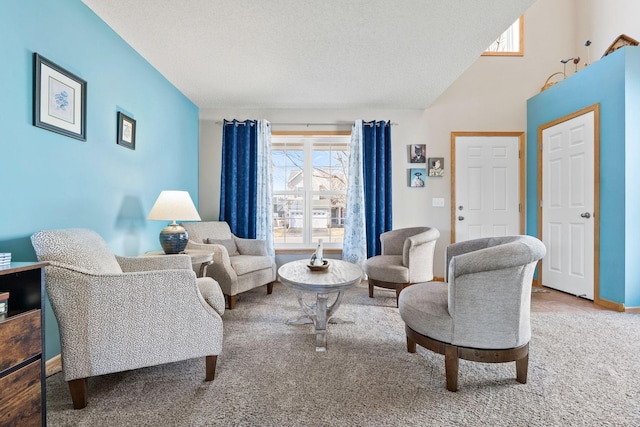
(309,189)
(510,43)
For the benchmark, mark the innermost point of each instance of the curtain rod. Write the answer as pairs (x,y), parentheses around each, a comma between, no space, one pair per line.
(220,122)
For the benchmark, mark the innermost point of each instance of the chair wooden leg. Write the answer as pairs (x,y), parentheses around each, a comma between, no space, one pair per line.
(232,302)
(451,367)
(211,367)
(399,288)
(522,368)
(269,288)
(370,289)
(79,392)
(411,345)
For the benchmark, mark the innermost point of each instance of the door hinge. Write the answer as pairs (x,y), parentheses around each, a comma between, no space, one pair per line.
(540,203)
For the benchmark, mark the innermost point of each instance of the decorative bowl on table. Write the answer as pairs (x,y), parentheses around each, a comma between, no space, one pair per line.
(324,266)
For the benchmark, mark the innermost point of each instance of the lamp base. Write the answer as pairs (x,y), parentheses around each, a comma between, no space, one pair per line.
(173,239)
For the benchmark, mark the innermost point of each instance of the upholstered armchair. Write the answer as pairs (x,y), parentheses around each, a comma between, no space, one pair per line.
(238,264)
(483,313)
(120,313)
(406,258)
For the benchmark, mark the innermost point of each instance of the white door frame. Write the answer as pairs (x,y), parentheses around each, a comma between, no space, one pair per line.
(521,167)
(595,108)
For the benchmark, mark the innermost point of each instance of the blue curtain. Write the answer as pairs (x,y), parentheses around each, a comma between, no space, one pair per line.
(376,166)
(238,183)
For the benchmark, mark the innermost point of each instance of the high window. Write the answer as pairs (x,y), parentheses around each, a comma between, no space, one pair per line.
(510,43)
(309,188)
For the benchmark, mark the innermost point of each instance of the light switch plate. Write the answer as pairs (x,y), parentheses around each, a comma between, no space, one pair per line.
(438,202)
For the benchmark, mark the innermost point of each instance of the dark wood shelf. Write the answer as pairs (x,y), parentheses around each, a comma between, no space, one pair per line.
(22,364)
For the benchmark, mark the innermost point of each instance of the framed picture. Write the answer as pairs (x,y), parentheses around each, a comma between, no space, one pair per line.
(416,177)
(126,131)
(59,99)
(436,166)
(417,152)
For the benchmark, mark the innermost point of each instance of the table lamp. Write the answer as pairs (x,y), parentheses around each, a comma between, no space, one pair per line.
(174,206)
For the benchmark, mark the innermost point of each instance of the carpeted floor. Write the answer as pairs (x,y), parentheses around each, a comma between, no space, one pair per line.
(584,370)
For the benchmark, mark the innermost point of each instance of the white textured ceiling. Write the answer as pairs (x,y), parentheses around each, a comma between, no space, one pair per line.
(310,53)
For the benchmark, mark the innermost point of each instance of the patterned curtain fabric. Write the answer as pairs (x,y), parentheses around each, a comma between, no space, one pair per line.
(376,158)
(354,247)
(238,183)
(264,180)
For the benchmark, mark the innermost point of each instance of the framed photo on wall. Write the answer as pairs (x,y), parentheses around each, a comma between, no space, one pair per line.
(417,153)
(416,177)
(436,166)
(59,99)
(126,131)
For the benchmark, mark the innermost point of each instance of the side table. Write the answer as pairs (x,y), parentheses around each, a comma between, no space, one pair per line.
(22,363)
(338,277)
(200,259)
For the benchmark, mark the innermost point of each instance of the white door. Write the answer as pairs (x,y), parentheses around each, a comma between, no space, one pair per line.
(488,188)
(568,205)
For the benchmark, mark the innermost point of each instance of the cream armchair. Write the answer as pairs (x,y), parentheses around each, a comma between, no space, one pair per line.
(238,264)
(119,313)
(483,313)
(406,258)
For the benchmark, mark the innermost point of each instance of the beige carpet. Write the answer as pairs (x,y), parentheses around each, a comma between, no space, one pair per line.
(584,371)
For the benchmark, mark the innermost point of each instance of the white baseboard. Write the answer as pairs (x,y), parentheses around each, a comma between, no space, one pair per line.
(53,366)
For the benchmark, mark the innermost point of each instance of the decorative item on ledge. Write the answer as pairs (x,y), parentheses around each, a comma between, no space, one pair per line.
(549,82)
(622,41)
(174,206)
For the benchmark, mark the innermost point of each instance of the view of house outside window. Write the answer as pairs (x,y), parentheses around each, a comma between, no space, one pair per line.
(309,189)
(510,43)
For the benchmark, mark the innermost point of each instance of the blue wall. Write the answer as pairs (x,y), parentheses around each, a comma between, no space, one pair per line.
(632,173)
(53,181)
(607,82)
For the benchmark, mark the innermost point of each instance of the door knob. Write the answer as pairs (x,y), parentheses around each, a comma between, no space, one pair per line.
(585,215)
(460,218)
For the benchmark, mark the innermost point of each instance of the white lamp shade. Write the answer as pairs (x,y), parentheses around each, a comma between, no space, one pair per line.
(174,206)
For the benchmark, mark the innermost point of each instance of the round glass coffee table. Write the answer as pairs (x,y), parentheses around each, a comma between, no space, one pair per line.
(339,276)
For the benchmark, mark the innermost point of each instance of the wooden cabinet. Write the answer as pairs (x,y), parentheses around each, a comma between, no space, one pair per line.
(22,364)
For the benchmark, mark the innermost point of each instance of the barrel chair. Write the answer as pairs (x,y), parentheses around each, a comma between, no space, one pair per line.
(406,258)
(482,312)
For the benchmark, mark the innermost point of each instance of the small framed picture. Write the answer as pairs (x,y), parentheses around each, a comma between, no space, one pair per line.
(416,177)
(436,166)
(417,153)
(59,99)
(126,131)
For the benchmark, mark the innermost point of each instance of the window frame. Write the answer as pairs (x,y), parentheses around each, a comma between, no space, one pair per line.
(306,140)
(520,51)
